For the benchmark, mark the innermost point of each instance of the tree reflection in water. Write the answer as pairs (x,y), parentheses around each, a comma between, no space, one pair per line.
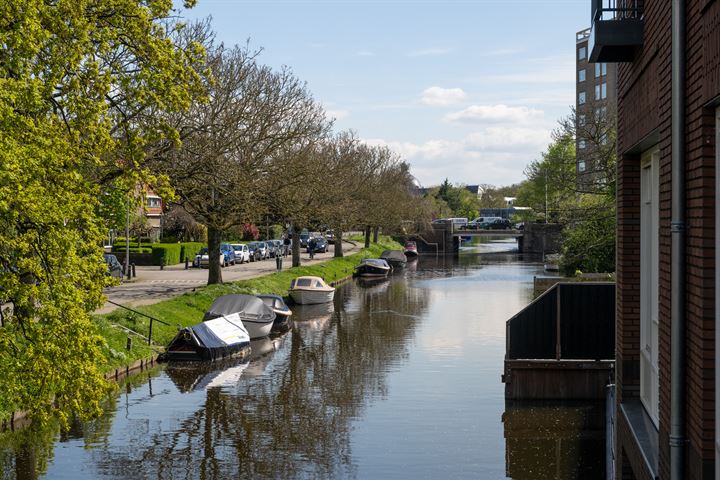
(286,413)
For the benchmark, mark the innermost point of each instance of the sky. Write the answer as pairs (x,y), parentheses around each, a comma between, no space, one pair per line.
(468,90)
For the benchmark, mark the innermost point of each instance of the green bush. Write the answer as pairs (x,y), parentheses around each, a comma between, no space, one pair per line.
(166,253)
(589,245)
(121,249)
(189,250)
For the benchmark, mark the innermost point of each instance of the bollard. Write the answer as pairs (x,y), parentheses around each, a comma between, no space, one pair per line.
(278,262)
(129,343)
(128,271)
(132,265)
(186,262)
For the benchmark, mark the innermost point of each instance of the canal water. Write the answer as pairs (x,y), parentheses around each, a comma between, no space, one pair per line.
(396,379)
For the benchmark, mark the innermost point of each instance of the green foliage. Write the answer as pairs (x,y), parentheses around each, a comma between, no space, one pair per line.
(166,254)
(457,199)
(589,242)
(189,250)
(76,81)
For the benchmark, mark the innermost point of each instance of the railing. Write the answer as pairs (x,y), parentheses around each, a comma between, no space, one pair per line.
(582,35)
(615,9)
(570,321)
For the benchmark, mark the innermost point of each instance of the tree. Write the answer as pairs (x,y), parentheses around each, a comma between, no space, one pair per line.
(223,170)
(72,75)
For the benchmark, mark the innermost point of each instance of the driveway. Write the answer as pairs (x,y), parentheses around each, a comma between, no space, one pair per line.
(152,285)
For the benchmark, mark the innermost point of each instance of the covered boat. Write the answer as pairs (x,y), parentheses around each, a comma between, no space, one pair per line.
(411,250)
(210,340)
(282,311)
(373,267)
(395,258)
(257,317)
(311,290)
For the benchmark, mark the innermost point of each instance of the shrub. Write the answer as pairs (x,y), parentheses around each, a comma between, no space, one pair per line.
(166,254)
(189,250)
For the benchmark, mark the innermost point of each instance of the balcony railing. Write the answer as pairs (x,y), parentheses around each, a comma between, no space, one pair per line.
(617,30)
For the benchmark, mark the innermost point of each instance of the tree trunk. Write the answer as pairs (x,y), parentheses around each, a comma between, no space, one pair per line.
(295,248)
(367,236)
(214,270)
(376,231)
(338,243)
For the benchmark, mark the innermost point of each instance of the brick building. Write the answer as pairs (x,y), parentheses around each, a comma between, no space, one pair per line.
(668,123)
(595,103)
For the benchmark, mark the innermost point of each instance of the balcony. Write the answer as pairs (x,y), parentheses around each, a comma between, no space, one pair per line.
(617,30)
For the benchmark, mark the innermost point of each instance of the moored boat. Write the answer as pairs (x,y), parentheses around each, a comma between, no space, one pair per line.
(257,317)
(373,267)
(210,340)
(311,290)
(411,250)
(282,311)
(395,258)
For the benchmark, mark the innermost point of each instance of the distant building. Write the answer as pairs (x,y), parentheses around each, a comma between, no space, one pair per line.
(595,97)
(474,189)
(153,211)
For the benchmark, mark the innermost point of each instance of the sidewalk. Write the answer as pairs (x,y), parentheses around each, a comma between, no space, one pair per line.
(152,285)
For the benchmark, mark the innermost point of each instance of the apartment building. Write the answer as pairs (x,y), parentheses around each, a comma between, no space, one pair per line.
(595,104)
(667,54)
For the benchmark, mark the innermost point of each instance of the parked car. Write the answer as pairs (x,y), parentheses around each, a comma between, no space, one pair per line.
(304,237)
(228,254)
(330,236)
(255,251)
(271,248)
(317,244)
(498,224)
(202,259)
(279,246)
(479,221)
(115,268)
(242,252)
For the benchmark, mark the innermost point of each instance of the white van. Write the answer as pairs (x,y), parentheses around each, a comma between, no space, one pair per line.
(457,222)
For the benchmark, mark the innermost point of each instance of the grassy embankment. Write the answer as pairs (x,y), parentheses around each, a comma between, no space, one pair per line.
(189,308)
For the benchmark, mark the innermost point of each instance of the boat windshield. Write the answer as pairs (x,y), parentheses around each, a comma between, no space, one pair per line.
(303,282)
(318,284)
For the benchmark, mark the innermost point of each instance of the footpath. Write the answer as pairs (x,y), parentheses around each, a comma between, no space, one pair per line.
(152,285)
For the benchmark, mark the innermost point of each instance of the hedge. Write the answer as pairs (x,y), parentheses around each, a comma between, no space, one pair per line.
(166,253)
(121,250)
(189,250)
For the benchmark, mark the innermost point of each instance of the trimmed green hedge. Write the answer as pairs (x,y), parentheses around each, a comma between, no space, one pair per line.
(166,253)
(121,250)
(189,250)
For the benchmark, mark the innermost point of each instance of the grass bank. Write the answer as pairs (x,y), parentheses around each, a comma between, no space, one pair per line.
(189,308)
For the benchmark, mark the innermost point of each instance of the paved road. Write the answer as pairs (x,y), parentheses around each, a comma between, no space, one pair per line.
(153,285)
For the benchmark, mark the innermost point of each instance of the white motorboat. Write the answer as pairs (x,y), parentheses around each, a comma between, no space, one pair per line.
(257,317)
(311,290)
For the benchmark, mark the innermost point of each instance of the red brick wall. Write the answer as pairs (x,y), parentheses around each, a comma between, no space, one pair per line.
(644,102)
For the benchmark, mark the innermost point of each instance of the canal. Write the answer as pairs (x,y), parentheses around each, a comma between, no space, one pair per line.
(396,379)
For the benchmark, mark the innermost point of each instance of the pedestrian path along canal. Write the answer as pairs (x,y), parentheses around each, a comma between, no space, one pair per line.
(397,379)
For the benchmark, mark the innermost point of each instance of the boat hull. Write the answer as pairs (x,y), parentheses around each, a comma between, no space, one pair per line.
(312,297)
(411,254)
(371,271)
(258,329)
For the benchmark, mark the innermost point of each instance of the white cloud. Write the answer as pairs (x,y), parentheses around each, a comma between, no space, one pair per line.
(438,96)
(494,155)
(495,114)
(336,114)
(429,52)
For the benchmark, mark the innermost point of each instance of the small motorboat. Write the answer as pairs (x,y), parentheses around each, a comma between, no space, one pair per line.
(220,337)
(373,267)
(411,250)
(257,317)
(282,311)
(311,290)
(396,258)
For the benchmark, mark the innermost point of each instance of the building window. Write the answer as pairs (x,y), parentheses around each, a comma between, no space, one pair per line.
(649,272)
(581,98)
(581,166)
(603,69)
(154,202)
(581,144)
(581,75)
(582,53)
(597,92)
(603,90)
(582,119)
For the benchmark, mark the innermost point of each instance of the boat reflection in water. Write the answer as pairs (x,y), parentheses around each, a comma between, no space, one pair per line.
(315,317)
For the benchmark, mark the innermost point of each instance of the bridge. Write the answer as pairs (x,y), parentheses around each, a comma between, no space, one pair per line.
(444,238)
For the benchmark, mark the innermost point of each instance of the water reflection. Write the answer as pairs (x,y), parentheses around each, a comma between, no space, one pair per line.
(396,378)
